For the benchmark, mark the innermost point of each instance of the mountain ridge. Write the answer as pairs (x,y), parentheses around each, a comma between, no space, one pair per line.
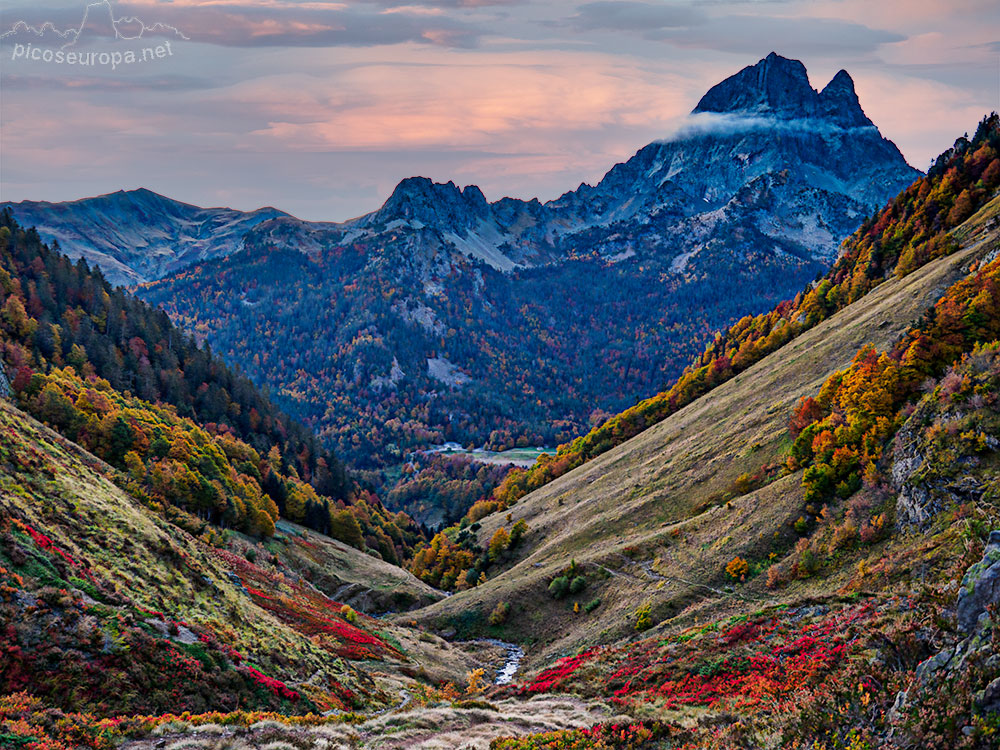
(511,232)
(663,250)
(136,235)
(525,233)
(780,87)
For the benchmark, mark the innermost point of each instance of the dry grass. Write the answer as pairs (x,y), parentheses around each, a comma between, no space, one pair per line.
(348,575)
(443,727)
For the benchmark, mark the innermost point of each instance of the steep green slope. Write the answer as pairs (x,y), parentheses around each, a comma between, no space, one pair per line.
(658,518)
(106,607)
(361,581)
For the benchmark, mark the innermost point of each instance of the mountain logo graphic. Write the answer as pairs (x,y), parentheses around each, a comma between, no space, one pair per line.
(98,20)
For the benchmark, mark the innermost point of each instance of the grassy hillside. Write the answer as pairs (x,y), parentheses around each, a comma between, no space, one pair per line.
(658,518)
(61,322)
(108,608)
(913,229)
(343,573)
(887,635)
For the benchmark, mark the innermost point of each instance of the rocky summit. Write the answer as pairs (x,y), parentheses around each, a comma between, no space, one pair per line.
(765,160)
(780,88)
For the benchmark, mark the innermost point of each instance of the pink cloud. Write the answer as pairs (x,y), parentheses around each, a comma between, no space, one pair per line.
(505,102)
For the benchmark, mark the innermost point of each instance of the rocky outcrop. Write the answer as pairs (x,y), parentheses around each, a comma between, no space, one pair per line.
(775,85)
(919,498)
(779,87)
(4,383)
(418,199)
(973,649)
(839,102)
(980,588)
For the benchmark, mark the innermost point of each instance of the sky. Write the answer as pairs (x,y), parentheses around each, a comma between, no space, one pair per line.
(319,108)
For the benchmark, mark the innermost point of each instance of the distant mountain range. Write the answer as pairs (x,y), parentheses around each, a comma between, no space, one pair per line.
(138,235)
(763,152)
(442,316)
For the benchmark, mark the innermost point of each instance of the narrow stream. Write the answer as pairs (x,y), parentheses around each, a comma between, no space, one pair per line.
(505,675)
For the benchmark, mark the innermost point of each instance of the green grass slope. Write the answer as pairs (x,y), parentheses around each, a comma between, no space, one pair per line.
(108,608)
(651,521)
(342,572)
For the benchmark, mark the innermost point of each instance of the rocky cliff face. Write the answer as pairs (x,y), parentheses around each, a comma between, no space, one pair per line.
(4,383)
(970,653)
(779,87)
(922,489)
(933,469)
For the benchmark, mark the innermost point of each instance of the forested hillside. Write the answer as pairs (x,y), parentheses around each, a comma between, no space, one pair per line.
(116,376)
(527,358)
(118,617)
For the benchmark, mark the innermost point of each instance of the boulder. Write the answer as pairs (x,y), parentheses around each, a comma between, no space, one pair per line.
(980,587)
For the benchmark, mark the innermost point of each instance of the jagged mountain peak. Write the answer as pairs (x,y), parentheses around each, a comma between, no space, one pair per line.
(418,190)
(839,102)
(775,84)
(779,87)
(841,82)
(474,195)
(422,199)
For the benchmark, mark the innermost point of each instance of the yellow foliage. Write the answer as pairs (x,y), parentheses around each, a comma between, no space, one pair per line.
(737,569)
(476,681)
